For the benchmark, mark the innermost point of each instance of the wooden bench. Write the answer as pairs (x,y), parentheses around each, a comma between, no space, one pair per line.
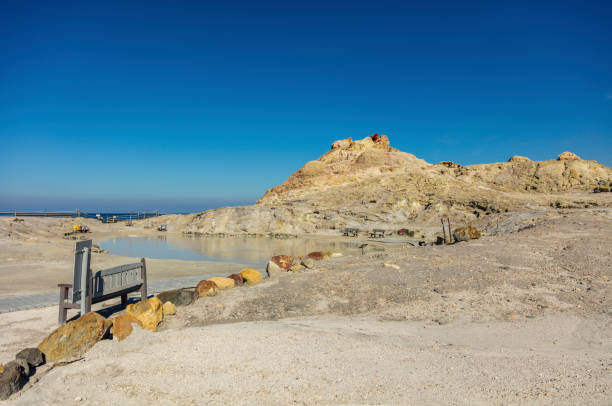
(105,284)
(353,232)
(377,233)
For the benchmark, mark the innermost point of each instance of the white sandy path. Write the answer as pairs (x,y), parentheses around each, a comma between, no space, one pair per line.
(553,360)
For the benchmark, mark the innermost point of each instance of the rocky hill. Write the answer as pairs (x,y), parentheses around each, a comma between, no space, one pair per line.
(369,184)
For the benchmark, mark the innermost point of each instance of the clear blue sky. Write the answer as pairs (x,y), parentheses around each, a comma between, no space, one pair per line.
(184,105)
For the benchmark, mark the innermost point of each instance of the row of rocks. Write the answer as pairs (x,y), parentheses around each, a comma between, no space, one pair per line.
(148,314)
(72,340)
(285,263)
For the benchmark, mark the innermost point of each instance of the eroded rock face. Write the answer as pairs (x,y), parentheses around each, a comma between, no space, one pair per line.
(206,288)
(342,143)
(72,340)
(518,158)
(180,297)
(238,279)
(33,356)
(568,156)
(466,233)
(148,313)
(251,276)
(223,283)
(273,269)
(123,326)
(12,379)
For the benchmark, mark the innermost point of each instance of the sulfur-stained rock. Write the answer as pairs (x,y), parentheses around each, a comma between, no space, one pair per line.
(296,267)
(12,379)
(33,356)
(273,269)
(168,309)
(308,262)
(1,368)
(148,313)
(206,288)
(179,297)
(73,339)
(223,283)
(251,276)
(283,261)
(466,233)
(123,326)
(238,279)
(568,156)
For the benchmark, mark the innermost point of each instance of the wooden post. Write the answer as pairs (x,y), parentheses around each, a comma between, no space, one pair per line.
(84,277)
(143,288)
(443,230)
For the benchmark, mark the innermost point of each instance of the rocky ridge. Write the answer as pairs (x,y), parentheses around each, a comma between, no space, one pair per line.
(369,184)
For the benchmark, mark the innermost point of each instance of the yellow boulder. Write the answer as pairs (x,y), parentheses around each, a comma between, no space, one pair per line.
(251,276)
(1,368)
(148,313)
(222,282)
(122,326)
(296,267)
(168,308)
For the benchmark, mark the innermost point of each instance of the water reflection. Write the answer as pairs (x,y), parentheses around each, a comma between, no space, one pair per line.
(246,250)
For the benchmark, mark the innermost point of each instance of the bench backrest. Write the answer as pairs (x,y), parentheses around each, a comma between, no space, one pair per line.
(378,231)
(117,279)
(107,281)
(82,260)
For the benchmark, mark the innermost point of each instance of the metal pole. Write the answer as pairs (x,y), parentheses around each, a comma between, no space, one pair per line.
(84,277)
(443,230)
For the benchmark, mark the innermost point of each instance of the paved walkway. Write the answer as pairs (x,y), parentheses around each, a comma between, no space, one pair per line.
(37,300)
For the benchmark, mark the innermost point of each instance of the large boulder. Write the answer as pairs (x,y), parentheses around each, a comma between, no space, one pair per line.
(251,276)
(148,313)
(33,356)
(206,288)
(466,233)
(72,340)
(238,279)
(272,269)
(123,326)
(12,379)
(317,256)
(283,261)
(168,309)
(180,297)
(222,282)
(568,156)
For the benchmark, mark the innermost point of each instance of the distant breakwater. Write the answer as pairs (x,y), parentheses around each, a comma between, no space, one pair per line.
(101,216)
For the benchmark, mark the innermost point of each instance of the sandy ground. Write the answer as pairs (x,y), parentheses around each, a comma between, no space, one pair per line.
(518,318)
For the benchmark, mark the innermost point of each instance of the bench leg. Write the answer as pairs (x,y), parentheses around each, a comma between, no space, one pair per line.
(63,311)
(124,300)
(143,288)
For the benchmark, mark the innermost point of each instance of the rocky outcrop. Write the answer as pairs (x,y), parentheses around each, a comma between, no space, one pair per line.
(251,276)
(296,267)
(317,256)
(518,158)
(272,269)
(222,282)
(368,184)
(180,297)
(282,261)
(148,313)
(206,288)
(73,339)
(568,156)
(308,262)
